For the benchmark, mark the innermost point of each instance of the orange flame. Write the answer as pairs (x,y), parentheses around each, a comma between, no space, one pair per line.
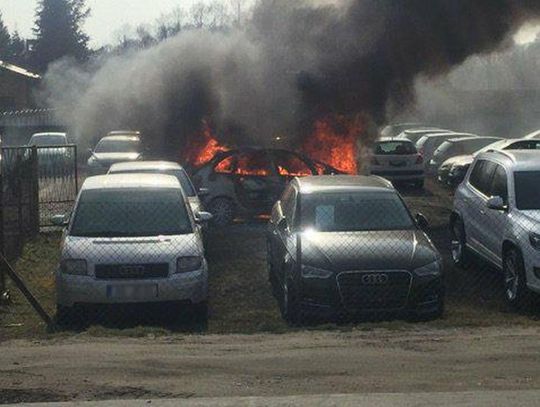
(204,147)
(334,142)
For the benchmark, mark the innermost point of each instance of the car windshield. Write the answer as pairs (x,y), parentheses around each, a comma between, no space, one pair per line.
(118,146)
(131,213)
(395,148)
(354,212)
(181,175)
(48,140)
(527,191)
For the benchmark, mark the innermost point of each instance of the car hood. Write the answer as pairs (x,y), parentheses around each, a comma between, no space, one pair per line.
(112,158)
(131,250)
(384,250)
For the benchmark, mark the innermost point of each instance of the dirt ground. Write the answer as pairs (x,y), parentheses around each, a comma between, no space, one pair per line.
(359,361)
(479,344)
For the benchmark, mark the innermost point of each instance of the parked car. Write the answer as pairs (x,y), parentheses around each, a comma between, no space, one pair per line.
(416,134)
(496,217)
(393,130)
(398,160)
(247,182)
(131,239)
(428,144)
(114,149)
(53,158)
(453,171)
(167,168)
(458,146)
(349,245)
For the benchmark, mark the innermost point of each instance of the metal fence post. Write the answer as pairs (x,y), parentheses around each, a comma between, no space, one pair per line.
(34,198)
(3,287)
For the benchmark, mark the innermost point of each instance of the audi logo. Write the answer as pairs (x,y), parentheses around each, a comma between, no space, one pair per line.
(375,279)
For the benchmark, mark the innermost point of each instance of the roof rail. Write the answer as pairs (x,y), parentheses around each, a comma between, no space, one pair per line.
(502,152)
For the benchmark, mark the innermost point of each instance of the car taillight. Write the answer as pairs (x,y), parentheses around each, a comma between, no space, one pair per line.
(420,159)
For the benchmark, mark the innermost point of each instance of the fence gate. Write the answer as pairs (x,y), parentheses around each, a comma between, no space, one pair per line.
(58,181)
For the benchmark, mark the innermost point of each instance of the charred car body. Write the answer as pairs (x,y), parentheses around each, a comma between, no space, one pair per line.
(247,182)
(348,245)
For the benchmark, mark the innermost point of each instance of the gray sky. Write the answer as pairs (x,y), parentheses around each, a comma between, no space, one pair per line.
(108,16)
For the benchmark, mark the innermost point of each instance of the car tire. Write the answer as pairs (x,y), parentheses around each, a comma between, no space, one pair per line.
(223,211)
(290,305)
(66,316)
(434,315)
(516,292)
(460,254)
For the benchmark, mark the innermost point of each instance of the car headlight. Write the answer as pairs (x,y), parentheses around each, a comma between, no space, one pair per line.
(431,269)
(534,238)
(188,264)
(74,267)
(313,272)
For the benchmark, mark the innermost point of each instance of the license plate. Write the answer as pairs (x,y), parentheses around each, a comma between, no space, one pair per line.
(132,292)
(398,163)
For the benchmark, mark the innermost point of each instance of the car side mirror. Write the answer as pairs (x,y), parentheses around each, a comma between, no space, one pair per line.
(60,220)
(422,221)
(203,192)
(203,217)
(496,203)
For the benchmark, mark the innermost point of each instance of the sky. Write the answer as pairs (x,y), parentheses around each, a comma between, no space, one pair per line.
(107,19)
(110,17)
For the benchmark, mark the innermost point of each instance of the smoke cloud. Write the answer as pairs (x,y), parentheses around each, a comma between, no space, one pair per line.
(296,62)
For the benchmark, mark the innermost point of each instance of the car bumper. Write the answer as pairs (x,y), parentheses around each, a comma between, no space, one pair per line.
(323,298)
(72,290)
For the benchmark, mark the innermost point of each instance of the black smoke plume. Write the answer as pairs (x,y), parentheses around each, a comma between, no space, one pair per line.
(297,61)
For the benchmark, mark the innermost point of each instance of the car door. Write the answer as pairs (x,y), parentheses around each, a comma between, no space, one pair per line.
(475,197)
(496,222)
(284,234)
(257,185)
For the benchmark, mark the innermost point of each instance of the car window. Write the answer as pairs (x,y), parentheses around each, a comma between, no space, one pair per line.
(482,175)
(527,191)
(131,212)
(444,148)
(355,211)
(291,165)
(289,207)
(226,166)
(253,163)
(395,148)
(48,140)
(500,183)
(525,145)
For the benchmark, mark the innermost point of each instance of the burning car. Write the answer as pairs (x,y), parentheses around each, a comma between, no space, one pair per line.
(247,182)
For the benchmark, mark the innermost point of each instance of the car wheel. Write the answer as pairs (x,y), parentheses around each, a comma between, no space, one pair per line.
(65,316)
(516,292)
(460,255)
(223,211)
(290,305)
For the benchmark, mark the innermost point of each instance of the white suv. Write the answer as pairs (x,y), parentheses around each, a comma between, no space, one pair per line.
(497,216)
(131,239)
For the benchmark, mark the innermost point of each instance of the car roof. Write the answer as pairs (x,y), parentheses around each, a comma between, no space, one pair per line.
(124,133)
(424,130)
(450,134)
(49,134)
(145,165)
(130,181)
(519,160)
(390,139)
(469,138)
(341,183)
(121,138)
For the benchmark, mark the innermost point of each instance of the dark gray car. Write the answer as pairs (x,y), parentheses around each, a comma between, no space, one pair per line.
(348,245)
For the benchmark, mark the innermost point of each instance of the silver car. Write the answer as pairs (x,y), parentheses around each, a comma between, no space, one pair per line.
(131,239)
(113,149)
(167,168)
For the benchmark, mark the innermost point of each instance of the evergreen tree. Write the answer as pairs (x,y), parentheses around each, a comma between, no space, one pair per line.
(59,31)
(17,49)
(5,40)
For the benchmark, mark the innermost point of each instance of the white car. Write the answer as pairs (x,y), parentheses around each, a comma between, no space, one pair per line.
(167,168)
(533,135)
(131,239)
(428,144)
(115,148)
(398,160)
(496,216)
(416,134)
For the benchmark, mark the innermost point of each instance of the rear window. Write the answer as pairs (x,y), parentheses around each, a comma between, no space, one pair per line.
(395,148)
(118,146)
(48,140)
(131,213)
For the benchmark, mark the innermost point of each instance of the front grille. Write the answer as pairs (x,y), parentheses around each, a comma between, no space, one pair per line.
(378,290)
(397,173)
(131,271)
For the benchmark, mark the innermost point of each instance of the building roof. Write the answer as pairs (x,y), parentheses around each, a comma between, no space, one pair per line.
(18,70)
(337,183)
(130,181)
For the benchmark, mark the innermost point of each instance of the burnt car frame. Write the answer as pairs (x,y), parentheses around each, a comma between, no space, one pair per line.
(247,182)
(351,262)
